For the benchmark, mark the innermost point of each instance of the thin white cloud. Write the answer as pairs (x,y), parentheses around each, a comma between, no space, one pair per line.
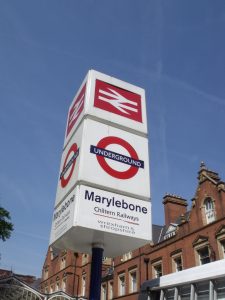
(188,86)
(32,235)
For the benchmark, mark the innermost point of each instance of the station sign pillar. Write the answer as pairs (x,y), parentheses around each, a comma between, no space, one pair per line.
(103,190)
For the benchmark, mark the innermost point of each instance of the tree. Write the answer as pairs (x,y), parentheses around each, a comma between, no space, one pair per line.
(6,227)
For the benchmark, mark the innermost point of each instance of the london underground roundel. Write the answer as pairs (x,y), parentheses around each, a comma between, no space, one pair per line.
(69,165)
(133,161)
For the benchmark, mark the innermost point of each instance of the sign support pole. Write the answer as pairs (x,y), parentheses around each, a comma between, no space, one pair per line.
(96,272)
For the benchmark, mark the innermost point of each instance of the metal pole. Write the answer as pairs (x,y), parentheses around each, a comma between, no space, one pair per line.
(96,272)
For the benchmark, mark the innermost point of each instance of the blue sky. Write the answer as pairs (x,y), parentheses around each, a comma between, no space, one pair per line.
(174,49)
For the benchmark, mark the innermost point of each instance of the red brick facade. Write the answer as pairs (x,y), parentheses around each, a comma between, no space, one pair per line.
(173,208)
(28,279)
(189,238)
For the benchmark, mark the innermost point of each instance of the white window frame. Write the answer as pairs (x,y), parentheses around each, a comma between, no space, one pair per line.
(127,256)
(110,290)
(63,262)
(122,284)
(104,291)
(84,259)
(209,208)
(64,284)
(221,245)
(57,285)
(155,266)
(46,272)
(201,258)
(133,286)
(175,265)
(83,286)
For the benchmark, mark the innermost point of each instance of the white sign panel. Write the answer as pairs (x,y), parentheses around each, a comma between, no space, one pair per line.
(89,215)
(114,213)
(111,101)
(76,111)
(106,157)
(69,167)
(103,190)
(115,159)
(63,216)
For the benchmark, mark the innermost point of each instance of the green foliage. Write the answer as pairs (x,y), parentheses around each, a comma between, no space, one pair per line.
(6,227)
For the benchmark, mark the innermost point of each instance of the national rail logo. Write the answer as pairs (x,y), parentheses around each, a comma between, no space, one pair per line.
(133,161)
(118,101)
(75,110)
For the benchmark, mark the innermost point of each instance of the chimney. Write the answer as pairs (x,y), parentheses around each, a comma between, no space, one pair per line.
(174,207)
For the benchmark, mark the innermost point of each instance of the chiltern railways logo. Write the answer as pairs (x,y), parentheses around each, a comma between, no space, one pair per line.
(118,101)
(75,110)
(102,154)
(69,165)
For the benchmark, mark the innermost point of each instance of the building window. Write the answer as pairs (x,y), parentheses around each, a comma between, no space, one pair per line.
(51,289)
(220,236)
(63,263)
(171,231)
(64,284)
(110,290)
(177,264)
(221,245)
(57,286)
(209,210)
(157,269)
(203,251)
(103,292)
(204,256)
(53,253)
(83,287)
(45,273)
(122,283)
(133,281)
(84,259)
(106,260)
(127,256)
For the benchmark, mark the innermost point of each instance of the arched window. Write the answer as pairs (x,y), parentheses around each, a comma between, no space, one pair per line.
(209,210)
(57,286)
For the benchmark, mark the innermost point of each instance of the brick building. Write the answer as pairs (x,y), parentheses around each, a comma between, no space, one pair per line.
(189,237)
(28,279)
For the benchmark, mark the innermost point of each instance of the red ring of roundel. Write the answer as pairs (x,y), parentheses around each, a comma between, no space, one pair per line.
(64,181)
(103,143)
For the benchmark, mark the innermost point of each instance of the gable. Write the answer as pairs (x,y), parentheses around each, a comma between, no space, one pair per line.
(171,231)
(220,230)
(199,240)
